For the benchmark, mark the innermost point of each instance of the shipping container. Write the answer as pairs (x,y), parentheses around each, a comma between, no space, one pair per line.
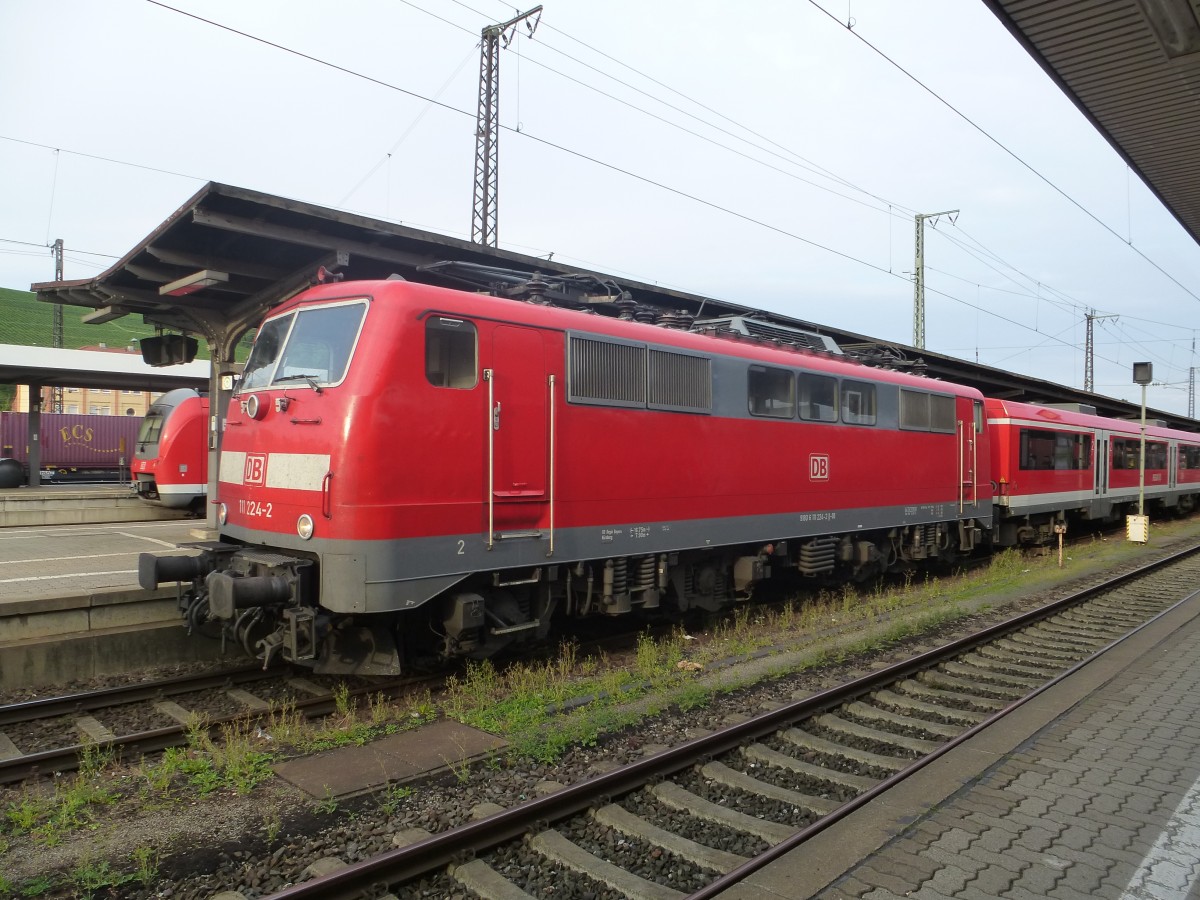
(74,447)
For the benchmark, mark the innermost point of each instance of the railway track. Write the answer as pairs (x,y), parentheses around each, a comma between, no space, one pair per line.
(695,818)
(50,735)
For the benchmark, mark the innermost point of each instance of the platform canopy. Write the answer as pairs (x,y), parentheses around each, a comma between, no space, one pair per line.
(1133,69)
(231,253)
(49,367)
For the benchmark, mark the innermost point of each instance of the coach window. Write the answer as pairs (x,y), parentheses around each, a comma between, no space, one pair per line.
(1124,454)
(1156,455)
(1051,450)
(979,417)
(151,427)
(818,398)
(914,410)
(1127,454)
(941,414)
(772,393)
(858,403)
(1189,457)
(451,353)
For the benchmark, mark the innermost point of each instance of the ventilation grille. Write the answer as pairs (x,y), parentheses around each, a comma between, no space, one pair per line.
(678,381)
(606,372)
(618,374)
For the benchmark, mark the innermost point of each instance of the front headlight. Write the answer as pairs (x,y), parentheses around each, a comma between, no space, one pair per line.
(254,408)
(304,526)
(222,513)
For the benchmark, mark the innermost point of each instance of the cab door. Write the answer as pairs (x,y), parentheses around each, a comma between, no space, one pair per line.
(519,414)
(518,433)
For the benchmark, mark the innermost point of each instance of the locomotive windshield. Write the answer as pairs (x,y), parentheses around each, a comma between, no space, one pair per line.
(151,427)
(311,347)
(265,353)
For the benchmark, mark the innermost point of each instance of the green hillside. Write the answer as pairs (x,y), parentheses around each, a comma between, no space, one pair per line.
(25,321)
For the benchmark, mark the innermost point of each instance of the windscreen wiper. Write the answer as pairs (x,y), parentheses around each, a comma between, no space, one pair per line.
(311,379)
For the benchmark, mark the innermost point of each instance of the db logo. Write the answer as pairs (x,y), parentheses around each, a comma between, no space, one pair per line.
(256,469)
(818,467)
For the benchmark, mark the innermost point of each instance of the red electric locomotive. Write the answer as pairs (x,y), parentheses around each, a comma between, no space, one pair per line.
(1050,464)
(408,469)
(170,463)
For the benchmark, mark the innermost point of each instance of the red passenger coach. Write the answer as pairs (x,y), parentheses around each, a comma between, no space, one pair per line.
(1051,464)
(403,463)
(171,456)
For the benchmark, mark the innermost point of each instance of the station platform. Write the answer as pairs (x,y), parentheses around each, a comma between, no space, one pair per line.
(71,606)
(62,561)
(1089,790)
(77,504)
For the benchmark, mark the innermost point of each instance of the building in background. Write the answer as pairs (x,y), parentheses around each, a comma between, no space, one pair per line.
(92,401)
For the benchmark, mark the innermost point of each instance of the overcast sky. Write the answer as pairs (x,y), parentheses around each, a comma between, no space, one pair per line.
(763,153)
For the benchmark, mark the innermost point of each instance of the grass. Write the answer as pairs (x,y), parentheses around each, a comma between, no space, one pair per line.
(392,798)
(233,759)
(72,803)
(236,761)
(327,805)
(544,709)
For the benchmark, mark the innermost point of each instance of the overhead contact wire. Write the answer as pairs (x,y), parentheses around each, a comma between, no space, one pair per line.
(1011,153)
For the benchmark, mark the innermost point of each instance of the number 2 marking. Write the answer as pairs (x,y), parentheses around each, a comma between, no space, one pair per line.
(461,547)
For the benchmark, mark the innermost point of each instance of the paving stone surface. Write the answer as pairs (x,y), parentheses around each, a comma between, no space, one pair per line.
(1102,803)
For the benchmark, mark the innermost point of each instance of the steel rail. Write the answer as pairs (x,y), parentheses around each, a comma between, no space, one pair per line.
(64,759)
(465,842)
(65,704)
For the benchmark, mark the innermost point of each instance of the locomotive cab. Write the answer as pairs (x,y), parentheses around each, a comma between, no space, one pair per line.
(170,463)
(284,441)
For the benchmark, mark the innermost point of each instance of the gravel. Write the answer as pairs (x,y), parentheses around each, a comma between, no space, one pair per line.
(635,855)
(531,872)
(710,834)
(751,804)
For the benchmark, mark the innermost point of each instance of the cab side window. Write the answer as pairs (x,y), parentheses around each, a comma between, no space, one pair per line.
(451,353)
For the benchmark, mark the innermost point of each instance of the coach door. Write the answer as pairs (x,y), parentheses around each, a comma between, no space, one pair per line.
(1101,463)
(517,426)
(968,425)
